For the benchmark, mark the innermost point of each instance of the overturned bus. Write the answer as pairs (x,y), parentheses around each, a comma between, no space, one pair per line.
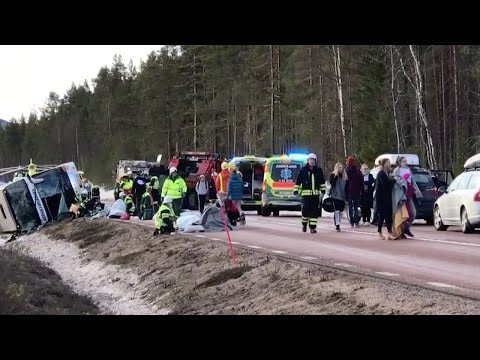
(31,202)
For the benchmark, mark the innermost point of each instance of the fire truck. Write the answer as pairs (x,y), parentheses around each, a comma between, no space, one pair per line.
(192,164)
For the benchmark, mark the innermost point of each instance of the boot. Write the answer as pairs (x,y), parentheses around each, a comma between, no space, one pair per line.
(407,231)
(304,227)
(337,227)
(155,233)
(313,231)
(242,219)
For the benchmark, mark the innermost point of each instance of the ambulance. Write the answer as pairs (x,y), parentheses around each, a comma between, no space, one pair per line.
(252,169)
(279,178)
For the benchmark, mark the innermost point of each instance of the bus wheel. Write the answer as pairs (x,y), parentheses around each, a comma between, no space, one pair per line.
(276,213)
(259,211)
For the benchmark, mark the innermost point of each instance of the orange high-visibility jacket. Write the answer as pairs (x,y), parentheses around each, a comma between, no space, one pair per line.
(222,181)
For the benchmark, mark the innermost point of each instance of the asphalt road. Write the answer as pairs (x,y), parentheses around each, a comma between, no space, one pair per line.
(447,261)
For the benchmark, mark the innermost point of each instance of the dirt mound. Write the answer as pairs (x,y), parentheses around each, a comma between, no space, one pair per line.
(29,287)
(194,276)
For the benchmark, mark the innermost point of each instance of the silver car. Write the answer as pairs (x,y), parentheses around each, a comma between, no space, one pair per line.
(460,203)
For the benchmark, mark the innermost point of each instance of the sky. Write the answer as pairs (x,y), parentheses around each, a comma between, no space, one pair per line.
(29,72)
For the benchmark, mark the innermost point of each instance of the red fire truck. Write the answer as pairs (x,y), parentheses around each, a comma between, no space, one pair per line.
(192,164)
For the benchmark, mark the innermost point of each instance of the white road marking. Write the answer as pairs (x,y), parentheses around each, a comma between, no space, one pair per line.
(369,233)
(344,265)
(385,273)
(308,258)
(200,236)
(215,239)
(236,243)
(279,252)
(254,247)
(442,285)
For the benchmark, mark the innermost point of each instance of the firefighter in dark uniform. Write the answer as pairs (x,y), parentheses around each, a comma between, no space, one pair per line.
(310,185)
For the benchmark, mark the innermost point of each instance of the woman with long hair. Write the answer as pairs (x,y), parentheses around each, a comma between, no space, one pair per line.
(338,192)
(404,175)
(383,198)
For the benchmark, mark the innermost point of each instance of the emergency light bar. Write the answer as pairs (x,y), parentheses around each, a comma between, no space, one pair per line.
(298,156)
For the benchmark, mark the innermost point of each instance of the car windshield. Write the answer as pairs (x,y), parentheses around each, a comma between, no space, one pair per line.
(285,172)
(423,179)
(187,167)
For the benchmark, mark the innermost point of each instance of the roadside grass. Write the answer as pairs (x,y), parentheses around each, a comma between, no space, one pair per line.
(28,287)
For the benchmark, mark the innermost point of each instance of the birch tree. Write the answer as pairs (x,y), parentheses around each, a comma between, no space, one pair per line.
(338,77)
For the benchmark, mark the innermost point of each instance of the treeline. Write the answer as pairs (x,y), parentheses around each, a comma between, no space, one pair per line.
(263,99)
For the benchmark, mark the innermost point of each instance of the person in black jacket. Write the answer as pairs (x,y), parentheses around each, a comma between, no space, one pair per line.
(139,188)
(367,194)
(383,198)
(310,183)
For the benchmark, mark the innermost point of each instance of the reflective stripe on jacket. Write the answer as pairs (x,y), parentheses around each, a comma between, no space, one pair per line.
(310,181)
(165,212)
(222,181)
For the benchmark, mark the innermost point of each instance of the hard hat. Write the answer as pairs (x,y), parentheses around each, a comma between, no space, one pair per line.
(167,200)
(172,170)
(129,172)
(224,165)
(122,194)
(311,156)
(232,165)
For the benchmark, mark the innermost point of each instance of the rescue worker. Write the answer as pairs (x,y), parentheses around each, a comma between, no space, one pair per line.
(79,206)
(310,183)
(165,217)
(176,188)
(116,190)
(130,205)
(126,183)
(32,169)
(146,205)
(155,184)
(222,178)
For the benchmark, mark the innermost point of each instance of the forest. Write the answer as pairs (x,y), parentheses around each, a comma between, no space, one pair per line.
(334,100)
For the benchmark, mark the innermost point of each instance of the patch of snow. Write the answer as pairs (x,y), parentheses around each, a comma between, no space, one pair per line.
(111,287)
